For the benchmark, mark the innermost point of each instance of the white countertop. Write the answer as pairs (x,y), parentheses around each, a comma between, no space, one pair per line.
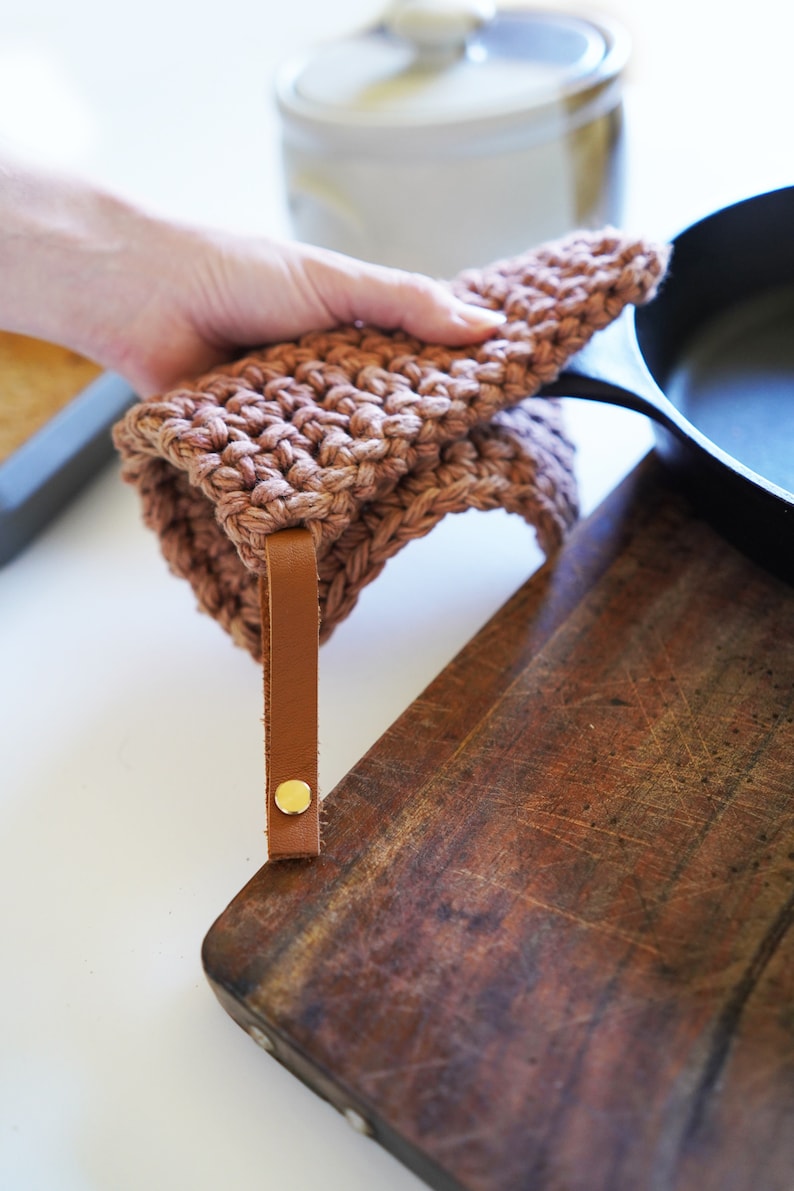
(131,736)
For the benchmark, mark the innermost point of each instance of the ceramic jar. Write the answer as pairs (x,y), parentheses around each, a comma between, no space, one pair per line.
(454,133)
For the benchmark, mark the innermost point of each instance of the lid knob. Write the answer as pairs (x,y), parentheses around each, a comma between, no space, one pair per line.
(438,29)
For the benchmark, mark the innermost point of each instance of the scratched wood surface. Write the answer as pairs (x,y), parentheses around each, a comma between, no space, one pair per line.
(549,944)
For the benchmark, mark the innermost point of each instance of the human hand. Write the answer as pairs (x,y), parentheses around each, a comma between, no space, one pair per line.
(160,302)
(188,299)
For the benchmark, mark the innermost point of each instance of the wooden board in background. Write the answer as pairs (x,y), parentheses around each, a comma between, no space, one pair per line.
(56,414)
(38,379)
(549,944)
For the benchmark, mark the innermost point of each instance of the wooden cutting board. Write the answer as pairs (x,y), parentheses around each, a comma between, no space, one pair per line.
(549,943)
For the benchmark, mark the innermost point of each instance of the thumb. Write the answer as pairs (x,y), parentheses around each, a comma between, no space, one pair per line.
(353,290)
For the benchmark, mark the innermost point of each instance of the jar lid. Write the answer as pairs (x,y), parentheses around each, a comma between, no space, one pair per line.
(446,62)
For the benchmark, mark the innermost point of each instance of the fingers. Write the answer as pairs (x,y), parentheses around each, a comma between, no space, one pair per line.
(431,312)
(351,290)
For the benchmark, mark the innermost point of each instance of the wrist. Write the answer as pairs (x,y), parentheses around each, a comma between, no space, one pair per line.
(64,249)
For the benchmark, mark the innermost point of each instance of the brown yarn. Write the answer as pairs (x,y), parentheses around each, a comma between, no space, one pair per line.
(368,438)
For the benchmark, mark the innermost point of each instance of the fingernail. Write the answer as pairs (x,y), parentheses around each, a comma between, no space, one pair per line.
(479,316)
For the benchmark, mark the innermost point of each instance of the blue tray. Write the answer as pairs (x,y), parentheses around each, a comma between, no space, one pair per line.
(50,468)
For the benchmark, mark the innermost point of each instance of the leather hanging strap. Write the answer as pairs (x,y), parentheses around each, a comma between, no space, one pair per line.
(290,643)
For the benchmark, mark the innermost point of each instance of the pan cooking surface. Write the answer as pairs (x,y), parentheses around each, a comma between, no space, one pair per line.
(735,383)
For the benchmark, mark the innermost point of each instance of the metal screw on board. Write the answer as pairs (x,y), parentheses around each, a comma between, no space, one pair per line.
(357,1122)
(262,1039)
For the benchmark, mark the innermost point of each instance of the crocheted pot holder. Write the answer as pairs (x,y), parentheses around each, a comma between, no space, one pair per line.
(365,439)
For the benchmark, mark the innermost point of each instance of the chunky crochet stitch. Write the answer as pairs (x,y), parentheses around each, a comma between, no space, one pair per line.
(368,438)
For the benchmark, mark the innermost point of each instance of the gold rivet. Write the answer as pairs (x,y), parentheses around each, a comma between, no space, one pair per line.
(293,797)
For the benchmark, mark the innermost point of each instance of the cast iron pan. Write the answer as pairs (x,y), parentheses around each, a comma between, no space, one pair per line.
(711,361)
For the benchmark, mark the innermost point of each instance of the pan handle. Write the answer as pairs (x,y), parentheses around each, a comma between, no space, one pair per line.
(610,368)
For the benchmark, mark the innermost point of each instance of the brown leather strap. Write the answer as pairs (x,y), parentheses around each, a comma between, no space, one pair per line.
(290,643)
